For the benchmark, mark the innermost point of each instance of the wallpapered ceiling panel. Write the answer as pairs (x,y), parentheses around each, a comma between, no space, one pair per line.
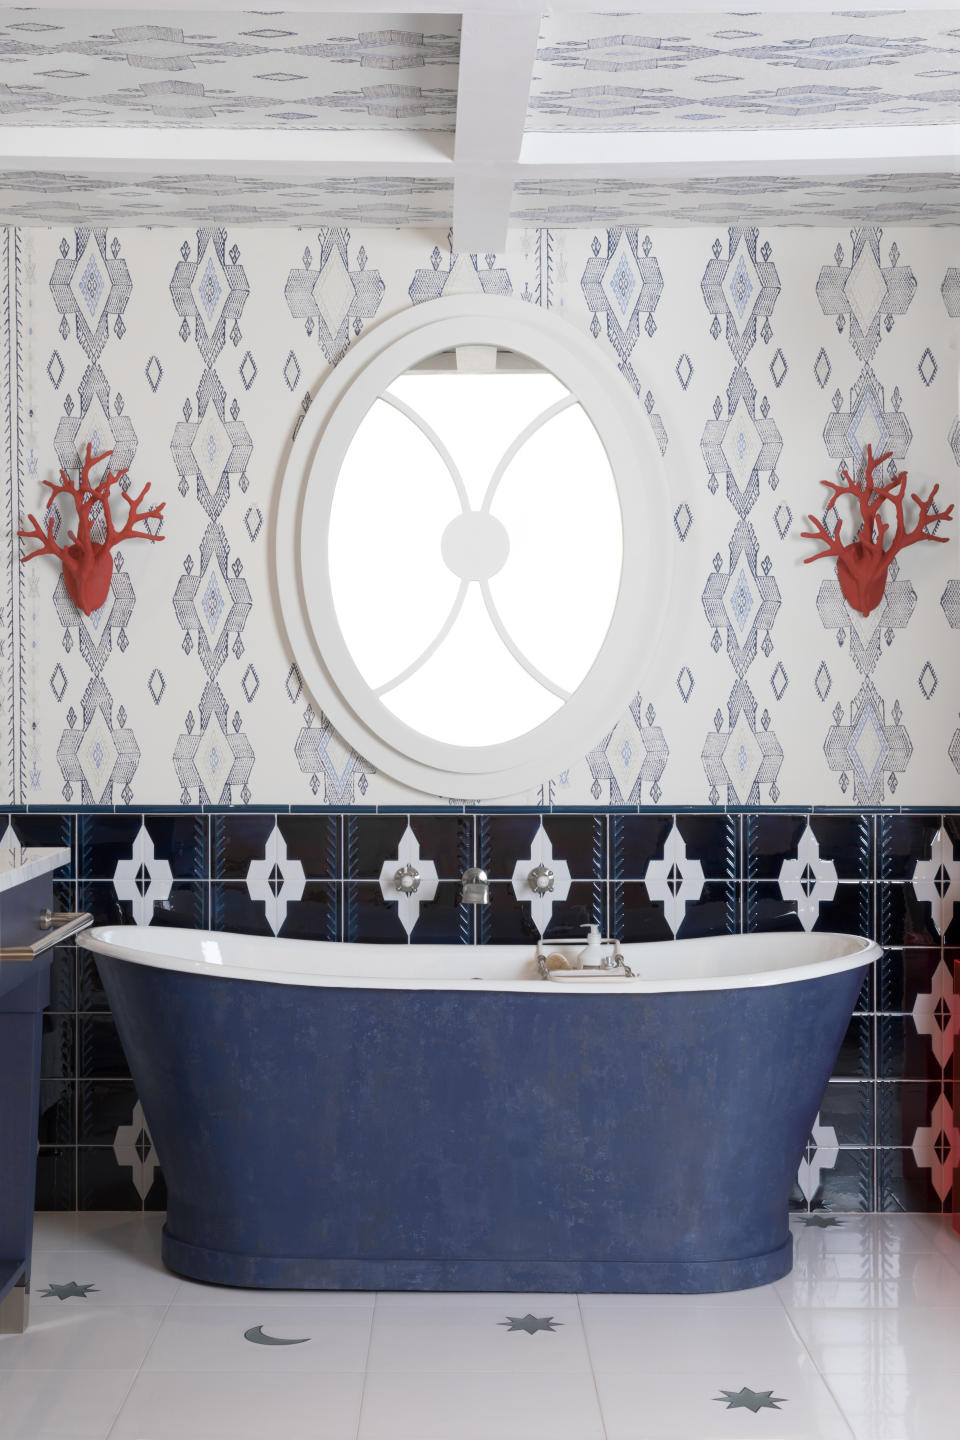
(42,198)
(34,197)
(746,71)
(760,360)
(264,69)
(770,200)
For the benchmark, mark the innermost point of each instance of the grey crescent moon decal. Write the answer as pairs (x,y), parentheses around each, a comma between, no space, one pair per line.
(256,1337)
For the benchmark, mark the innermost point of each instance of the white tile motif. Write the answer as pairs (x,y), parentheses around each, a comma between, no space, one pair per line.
(936,880)
(674,880)
(808,879)
(937,1014)
(143,879)
(541,853)
(408,905)
(275,880)
(936,1147)
(134,1150)
(823,1155)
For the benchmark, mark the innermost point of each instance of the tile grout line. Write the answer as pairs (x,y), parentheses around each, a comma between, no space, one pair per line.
(826,1383)
(366,1362)
(593,1373)
(126,1396)
(136,1374)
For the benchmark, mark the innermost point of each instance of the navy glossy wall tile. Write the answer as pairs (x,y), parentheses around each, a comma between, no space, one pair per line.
(737,872)
(846,840)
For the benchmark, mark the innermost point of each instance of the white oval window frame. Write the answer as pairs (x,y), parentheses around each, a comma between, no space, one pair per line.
(632,642)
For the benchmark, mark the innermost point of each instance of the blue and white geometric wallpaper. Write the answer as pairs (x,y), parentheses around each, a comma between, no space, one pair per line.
(745,71)
(760,359)
(235,70)
(33,197)
(551,201)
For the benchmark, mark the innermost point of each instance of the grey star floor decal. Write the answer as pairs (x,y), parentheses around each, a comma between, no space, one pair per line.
(530,1323)
(67,1292)
(747,1399)
(820,1222)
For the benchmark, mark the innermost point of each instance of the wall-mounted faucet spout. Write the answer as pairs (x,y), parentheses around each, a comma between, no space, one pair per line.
(476,888)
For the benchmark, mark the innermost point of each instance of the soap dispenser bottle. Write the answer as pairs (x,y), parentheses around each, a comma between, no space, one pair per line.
(592,953)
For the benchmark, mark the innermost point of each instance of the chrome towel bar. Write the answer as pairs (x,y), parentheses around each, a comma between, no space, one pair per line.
(58,927)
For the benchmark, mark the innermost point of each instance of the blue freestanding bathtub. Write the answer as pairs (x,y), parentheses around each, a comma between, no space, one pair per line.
(440,1118)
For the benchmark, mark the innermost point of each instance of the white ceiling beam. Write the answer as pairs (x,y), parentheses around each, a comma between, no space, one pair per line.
(345,8)
(497,56)
(895,149)
(294,153)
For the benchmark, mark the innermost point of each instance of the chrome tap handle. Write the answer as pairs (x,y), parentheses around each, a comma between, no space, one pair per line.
(407,880)
(541,879)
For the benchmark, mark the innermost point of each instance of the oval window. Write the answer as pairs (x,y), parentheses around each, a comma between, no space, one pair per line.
(467,547)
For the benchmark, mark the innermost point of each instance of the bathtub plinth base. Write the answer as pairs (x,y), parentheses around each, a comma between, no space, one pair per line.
(658,1277)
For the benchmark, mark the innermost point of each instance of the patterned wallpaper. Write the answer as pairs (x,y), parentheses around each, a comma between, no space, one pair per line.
(426,202)
(50,197)
(760,360)
(746,71)
(241,69)
(716,199)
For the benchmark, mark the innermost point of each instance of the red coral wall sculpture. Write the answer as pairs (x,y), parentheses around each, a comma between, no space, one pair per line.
(88,563)
(862,563)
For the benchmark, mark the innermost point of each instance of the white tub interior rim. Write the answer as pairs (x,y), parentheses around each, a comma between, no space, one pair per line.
(722,962)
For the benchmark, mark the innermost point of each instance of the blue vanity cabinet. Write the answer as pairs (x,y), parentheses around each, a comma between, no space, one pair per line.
(28,932)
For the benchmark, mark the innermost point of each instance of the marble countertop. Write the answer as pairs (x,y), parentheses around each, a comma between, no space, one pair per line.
(17,866)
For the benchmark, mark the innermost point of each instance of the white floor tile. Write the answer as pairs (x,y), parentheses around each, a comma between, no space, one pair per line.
(486,1299)
(211,1337)
(116,1277)
(192,1292)
(69,1405)
(167,1405)
(760,1297)
(692,1407)
(96,1230)
(869,1264)
(109,1337)
(469,1337)
(861,1340)
(885,1406)
(493,1406)
(858,1233)
(912,1340)
(703,1340)
(892,1279)
(937,1233)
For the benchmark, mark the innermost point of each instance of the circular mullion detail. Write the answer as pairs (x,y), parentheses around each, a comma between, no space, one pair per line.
(517,444)
(430,434)
(434,645)
(630,650)
(514,649)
